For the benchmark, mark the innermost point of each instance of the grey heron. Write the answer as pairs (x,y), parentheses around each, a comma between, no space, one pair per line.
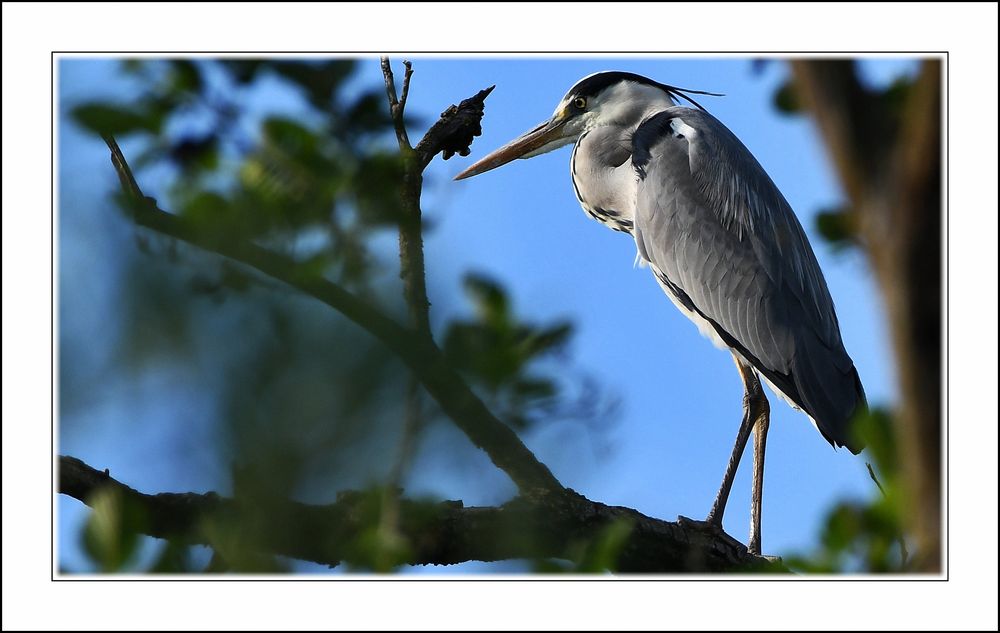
(721,241)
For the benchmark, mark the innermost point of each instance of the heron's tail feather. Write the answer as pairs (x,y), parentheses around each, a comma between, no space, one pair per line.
(830,390)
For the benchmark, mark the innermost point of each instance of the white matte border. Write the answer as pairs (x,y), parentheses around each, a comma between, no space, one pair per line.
(968,32)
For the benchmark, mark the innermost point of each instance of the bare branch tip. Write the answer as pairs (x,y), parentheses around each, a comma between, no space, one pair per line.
(406,82)
(390,82)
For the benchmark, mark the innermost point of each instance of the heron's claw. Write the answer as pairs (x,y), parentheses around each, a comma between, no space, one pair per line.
(709,527)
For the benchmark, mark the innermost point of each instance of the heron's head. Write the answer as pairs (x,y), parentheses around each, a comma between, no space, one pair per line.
(605,98)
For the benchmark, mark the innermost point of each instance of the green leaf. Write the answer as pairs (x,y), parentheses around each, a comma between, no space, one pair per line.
(527,389)
(196,152)
(368,113)
(174,558)
(875,429)
(380,549)
(209,211)
(786,99)
(103,118)
(896,95)
(538,342)
(837,226)
(288,134)
(376,186)
(111,534)
(185,76)
(244,71)
(489,299)
(843,525)
(603,552)
(319,80)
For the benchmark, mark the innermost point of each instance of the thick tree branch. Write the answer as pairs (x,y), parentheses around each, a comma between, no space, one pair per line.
(550,525)
(420,354)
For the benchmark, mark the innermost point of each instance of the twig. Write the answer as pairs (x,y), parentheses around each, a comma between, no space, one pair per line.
(902,542)
(125,176)
(418,353)
(871,473)
(444,533)
(390,84)
(406,84)
(396,106)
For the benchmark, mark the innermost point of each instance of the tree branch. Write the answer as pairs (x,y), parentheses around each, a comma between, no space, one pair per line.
(551,525)
(411,270)
(396,106)
(411,241)
(453,132)
(406,83)
(420,354)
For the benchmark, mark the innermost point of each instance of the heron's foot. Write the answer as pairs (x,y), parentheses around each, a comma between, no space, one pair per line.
(714,528)
(708,525)
(711,519)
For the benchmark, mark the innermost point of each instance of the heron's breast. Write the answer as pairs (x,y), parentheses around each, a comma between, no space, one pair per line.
(603,180)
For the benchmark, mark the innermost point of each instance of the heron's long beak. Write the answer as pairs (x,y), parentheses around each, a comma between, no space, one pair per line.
(529,144)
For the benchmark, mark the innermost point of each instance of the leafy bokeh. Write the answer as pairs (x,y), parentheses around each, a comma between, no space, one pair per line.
(304,404)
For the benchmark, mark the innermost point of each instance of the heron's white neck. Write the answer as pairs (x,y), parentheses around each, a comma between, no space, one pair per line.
(603,179)
(601,165)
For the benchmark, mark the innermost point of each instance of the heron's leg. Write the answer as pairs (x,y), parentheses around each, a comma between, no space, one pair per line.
(749,381)
(763,420)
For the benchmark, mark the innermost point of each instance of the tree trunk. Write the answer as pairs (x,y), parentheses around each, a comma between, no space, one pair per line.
(890,165)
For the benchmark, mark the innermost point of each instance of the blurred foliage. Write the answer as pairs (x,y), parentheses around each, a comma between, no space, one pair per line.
(287,154)
(786,100)
(865,536)
(496,352)
(503,358)
(173,558)
(598,555)
(312,182)
(601,554)
(111,534)
(838,225)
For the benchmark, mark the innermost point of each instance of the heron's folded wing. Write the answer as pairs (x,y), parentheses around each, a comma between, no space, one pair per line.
(715,226)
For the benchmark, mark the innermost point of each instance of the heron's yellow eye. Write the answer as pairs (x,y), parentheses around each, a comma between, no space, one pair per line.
(580,103)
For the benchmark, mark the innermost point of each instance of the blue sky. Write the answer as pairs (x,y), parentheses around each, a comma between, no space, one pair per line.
(681,397)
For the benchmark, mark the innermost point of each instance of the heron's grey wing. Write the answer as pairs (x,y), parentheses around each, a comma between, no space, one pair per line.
(723,240)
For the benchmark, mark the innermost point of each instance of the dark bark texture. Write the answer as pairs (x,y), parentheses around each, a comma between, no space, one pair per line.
(542,525)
